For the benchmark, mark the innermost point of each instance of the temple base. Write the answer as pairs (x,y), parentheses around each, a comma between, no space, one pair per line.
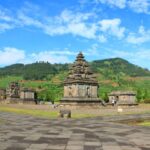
(80,102)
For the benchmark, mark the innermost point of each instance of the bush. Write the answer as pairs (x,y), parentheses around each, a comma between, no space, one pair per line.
(51,93)
(147,101)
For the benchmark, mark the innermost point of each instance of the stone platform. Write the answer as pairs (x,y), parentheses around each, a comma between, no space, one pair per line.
(81,102)
(21,132)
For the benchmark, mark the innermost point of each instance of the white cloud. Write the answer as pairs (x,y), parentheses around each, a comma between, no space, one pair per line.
(139,57)
(10,55)
(4,16)
(60,52)
(69,22)
(138,38)
(116,3)
(50,57)
(5,26)
(142,54)
(27,21)
(112,26)
(140,6)
(5,21)
(102,38)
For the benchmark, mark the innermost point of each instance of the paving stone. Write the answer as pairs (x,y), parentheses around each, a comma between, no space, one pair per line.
(129,148)
(92,147)
(92,143)
(74,147)
(100,133)
(109,147)
(38,146)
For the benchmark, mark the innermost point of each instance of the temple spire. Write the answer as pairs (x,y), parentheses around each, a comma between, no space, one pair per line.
(80,71)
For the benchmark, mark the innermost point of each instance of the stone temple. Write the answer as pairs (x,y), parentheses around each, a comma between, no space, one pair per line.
(80,87)
(123,97)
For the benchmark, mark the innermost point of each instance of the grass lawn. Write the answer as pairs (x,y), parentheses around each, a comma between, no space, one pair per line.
(47,112)
(53,113)
(38,113)
(145,123)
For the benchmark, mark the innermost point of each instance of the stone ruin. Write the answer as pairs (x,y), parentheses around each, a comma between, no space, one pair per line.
(81,86)
(28,95)
(123,97)
(13,90)
(2,94)
(15,94)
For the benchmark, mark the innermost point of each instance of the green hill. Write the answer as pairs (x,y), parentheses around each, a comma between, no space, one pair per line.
(109,68)
(112,74)
(118,65)
(35,71)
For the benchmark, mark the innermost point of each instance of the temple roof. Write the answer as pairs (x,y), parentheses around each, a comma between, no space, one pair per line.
(80,72)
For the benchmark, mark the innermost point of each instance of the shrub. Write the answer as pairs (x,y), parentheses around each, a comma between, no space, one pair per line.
(147,101)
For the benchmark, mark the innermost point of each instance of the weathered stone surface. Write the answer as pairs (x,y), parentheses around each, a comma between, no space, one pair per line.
(2,94)
(22,132)
(28,95)
(13,90)
(123,97)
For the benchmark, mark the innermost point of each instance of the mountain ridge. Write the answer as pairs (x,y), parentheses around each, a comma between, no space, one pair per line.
(106,67)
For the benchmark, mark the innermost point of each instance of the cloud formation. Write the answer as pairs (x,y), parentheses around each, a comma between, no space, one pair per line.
(113,3)
(67,22)
(10,55)
(138,6)
(112,27)
(140,37)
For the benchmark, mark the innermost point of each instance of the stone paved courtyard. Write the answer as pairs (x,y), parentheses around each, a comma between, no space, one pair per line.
(20,132)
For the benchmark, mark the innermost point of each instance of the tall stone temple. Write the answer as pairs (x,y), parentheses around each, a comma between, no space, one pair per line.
(80,87)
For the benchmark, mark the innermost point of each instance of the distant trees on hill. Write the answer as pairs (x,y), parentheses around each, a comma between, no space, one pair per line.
(35,71)
(113,69)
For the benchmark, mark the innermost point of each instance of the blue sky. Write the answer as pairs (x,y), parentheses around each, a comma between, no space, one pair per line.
(56,30)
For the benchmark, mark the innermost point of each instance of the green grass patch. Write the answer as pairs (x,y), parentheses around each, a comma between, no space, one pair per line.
(37,113)
(4,81)
(43,113)
(145,123)
(54,113)
(35,84)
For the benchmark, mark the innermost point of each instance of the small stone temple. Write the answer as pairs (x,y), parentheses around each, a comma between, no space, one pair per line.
(28,95)
(17,94)
(80,86)
(13,90)
(123,97)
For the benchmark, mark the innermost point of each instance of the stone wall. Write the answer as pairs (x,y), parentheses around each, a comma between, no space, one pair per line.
(27,95)
(76,90)
(123,99)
